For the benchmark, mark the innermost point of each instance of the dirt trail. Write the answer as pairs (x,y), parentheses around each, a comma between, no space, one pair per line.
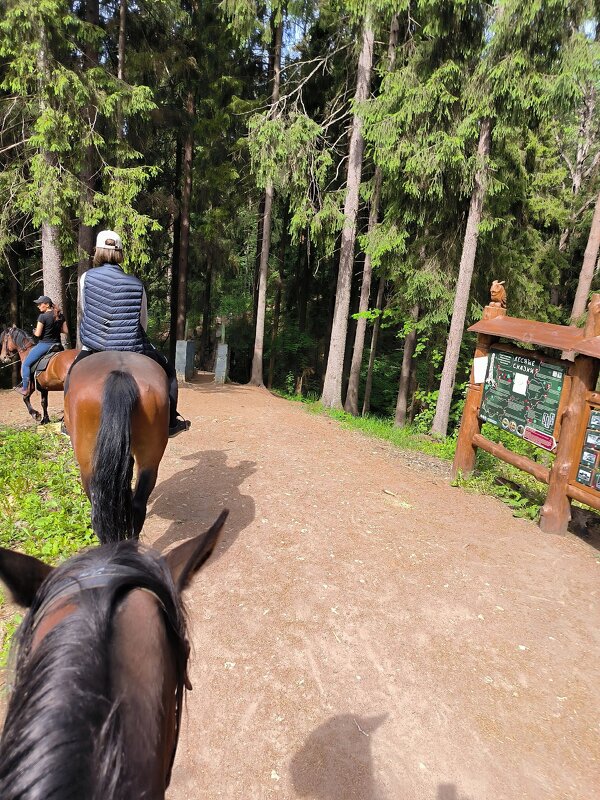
(365,630)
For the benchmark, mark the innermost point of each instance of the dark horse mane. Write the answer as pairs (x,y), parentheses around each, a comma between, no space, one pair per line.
(63,736)
(19,337)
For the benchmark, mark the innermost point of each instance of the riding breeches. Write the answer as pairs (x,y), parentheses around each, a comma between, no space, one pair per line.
(36,352)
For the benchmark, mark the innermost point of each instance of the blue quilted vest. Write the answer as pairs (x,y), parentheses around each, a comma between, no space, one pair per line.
(112,308)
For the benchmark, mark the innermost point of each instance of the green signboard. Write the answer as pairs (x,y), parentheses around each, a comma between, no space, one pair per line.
(521,394)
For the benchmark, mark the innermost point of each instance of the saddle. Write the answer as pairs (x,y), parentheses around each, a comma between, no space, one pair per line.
(41,364)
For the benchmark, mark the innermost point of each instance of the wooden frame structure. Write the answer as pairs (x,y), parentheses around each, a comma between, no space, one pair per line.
(575,474)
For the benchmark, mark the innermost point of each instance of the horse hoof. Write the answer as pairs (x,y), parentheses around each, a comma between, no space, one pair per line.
(37,417)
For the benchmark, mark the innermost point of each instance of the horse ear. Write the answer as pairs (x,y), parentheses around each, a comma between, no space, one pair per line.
(23,575)
(187,558)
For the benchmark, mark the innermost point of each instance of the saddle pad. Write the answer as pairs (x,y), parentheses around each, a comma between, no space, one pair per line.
(40,366)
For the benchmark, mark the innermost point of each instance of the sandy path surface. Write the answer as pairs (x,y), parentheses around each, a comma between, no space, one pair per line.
(364,629)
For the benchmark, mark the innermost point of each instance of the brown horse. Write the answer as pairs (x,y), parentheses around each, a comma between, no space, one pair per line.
(117,411)
(100,674)
(14,340)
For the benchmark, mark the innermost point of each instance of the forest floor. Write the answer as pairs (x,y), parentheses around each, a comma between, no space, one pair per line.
(364,630)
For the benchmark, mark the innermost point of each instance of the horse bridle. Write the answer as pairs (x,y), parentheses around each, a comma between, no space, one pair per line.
(99,578)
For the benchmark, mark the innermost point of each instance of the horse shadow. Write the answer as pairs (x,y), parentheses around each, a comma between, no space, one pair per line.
(194,497)
(336,762)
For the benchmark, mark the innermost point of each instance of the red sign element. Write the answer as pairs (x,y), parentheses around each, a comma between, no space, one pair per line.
(539,438)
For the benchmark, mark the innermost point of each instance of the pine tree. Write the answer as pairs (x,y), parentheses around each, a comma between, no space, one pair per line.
(332,385)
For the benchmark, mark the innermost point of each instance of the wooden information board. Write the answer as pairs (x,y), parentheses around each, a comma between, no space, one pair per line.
(588,469)
(521,394)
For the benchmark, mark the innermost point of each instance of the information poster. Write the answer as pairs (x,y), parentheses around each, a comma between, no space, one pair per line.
(588,471)
(521,394)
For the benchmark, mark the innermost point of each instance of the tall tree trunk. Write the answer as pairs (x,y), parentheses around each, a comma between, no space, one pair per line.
(274,331)
(412,388)
(256,379)
(122,36)
(186,197)
(121,64)
(52,272)
(13,307)
(259,237)
(578,172)
(351,403)
(206,316)
(407,357)
(374,337)
(590,257)
(332,386)
(85,235)
(173,298)
(463,285)
(303,279)
(278,293)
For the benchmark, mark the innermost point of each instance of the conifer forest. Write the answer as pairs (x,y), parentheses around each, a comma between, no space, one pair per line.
(337,182)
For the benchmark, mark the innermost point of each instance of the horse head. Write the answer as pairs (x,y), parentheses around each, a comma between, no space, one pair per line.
(101,670)
(7,347)
(13,340)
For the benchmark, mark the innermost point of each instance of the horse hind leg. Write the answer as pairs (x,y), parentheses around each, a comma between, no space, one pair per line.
(146,481)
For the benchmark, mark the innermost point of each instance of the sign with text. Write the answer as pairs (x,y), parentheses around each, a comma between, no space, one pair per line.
(521,394)
(588,471)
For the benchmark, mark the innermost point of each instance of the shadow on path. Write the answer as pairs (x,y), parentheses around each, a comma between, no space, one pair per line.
(448,791)
(335,762)
(194,497)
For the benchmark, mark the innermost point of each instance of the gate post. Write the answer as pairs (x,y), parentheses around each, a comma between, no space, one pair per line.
(556,511)
(466,452)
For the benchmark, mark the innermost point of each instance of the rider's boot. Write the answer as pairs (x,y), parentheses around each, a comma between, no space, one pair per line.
(178,424)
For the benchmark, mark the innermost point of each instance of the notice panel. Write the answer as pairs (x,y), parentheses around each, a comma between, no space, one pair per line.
(521,394)
(588,470)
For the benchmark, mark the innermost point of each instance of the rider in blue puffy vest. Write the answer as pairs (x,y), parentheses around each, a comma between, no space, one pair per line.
(114,315)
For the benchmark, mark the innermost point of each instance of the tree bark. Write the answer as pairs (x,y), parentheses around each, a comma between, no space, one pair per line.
(85,235)
(463,285)
(184,241)
(259,237)
(13,307)
(173,295)
(374,337)
(303,279)
(578,172)
(122,33)
(52,273)
(274,331)
(407,357)
(590,257)
(206,316)
(332,386)
(256,379)
(351,403)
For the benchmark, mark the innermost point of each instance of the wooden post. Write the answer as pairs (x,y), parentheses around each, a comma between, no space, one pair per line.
(556,511)
(466,452)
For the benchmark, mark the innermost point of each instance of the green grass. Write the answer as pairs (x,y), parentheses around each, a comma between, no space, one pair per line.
(43,509)
(519,490)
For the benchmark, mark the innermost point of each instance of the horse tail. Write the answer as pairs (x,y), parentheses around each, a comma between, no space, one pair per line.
(110,485)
